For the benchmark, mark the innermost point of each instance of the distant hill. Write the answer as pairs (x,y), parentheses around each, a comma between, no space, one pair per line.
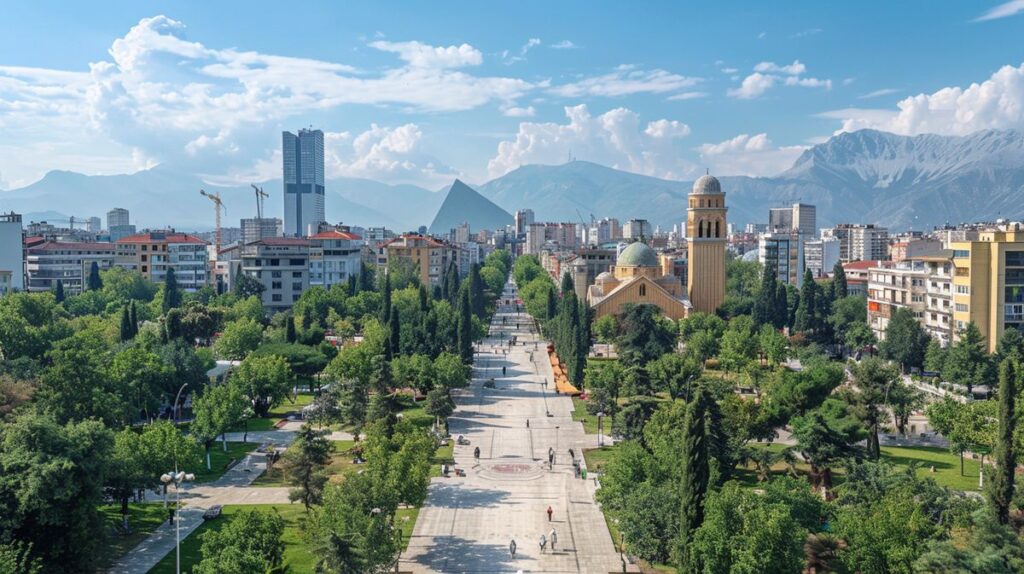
(864,176)
(462,204)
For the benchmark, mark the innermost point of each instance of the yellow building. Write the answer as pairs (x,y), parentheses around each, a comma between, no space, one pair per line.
(988,282)
(706,239)
(637,279)
(428,256)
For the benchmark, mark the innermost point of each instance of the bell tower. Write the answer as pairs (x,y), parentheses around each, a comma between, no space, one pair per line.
(705,241)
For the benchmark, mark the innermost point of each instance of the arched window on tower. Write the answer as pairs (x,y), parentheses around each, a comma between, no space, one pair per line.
(716,229)
(643,290)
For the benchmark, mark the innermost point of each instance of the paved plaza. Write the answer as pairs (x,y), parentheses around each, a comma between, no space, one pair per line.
(468,522)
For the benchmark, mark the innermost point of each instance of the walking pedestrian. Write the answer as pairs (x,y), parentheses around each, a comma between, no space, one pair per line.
(476,454)
(543,543)
(527,423)
(512,547)
(503,371)
(550,512)
(553,537)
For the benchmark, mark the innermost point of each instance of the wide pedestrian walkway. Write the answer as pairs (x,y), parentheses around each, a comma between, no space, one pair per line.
(468,522)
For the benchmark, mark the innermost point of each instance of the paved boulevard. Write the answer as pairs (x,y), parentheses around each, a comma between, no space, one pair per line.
(467,522)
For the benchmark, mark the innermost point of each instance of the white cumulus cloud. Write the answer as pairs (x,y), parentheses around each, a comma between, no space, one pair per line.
(624,81)
(753,86)
(795,69)
(996,103)
(745,154)
(767,75)
(617,138)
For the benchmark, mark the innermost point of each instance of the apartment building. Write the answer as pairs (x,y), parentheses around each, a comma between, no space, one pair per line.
(784,254)
(860,242)
(281,264)
(154,252)
(924,286)
(821,256)
(334,256)
(561,235)
(67,262)
(430,256)
(12,270)
(988,281)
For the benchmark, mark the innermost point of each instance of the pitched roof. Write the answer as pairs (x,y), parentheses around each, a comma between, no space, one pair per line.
(430,241)
(73,246)
(335,234)
(159,237)
(282,241)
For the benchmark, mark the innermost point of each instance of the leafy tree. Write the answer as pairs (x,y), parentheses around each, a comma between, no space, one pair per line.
(142,376)
(934,357)
(172,293)
(873,381)
(465,327)
(126,324)
(17,557)
(51,481)
(289,335)
(304,463)
(859,335)
(606,328)
(992,548)
(239,338)
(701,322)
(264,380)
(213,413)
(773,344)
(674,374)
(128,472)
(58,291)
(385,305)
(967,361)
(825,437)
(702,345)
(839,288)
(767,307)
(247,286)
(905,340)
(806,313)
(252,541)
(440,405)
(76,386)
(1001,493)
(1011,345)
(965,426)
(394,337)
(94,283)
(172,325)
(644,338)
(738,345)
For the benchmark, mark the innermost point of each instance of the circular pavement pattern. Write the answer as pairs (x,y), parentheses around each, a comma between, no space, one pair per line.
(511,471)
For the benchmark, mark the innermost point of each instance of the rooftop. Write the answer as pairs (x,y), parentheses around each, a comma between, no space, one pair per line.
(637,255)
(335,234)
(161,237)
(72,245)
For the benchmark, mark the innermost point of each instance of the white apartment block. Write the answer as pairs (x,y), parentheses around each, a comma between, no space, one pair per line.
(68,263)
(922,285)
(821,255)
(334,256)
(561,234)
(281,264)
(12,270)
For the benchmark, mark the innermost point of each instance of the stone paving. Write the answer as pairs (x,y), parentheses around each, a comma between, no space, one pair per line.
(468,522)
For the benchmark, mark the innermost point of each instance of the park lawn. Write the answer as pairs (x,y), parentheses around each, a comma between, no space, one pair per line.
(596,458)
(297,557)
(219,459)
(580,414)
(406,518)
(443,455)
(415,412)
(947,465)
(339,465)
(143,519)
(276,414)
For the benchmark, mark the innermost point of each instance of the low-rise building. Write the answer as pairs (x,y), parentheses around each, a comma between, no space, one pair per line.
(637,279)
(429,256)
(154,252)
(69,263)
(281,264)
(334,256)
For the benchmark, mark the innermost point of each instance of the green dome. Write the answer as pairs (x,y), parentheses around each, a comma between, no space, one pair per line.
(637,255)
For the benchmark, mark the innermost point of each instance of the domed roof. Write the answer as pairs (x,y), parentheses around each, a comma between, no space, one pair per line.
(706,184)
(603,276)
(637,255)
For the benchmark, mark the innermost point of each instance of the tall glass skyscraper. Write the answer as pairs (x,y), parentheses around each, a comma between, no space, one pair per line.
(303,181)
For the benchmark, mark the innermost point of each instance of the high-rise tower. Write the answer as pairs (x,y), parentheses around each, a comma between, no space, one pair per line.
(303,181)
(706,239)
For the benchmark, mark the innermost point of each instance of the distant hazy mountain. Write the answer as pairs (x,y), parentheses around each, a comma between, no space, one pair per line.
(865,176)
(462,204)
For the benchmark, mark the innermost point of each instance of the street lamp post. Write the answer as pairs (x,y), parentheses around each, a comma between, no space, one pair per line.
(622,543)
(600,428)
(178,478)
(556,439)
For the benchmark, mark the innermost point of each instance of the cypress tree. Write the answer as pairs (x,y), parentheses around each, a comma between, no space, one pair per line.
(465,328)
(394,338)
(764,305)
(58,291)
(134,319)
(805,312)
(1001,494)
(385,300)
(353,287)
(566,283)
(289,330)
(172,295)
(552,301)
(451,284)
(172,324)
(839,287)
(95,282)
(126,324)
(694,479)
(424,299)
(476,291)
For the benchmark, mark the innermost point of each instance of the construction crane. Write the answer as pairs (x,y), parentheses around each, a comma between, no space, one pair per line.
(217,206)
(259,200)
(71,221)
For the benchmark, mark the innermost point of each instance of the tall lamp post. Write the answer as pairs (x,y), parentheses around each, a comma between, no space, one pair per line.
(178,478)
(600,428)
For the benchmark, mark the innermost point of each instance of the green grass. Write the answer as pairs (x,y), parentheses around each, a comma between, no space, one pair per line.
(444,454)
(143,519)
(406,519)
(276,414)
(579,413)
(414,412)
(297,557)
(219,458)
(339,465)
(597,457)
(947,465)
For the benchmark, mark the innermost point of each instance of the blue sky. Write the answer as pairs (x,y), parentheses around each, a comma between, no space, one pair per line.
(423,92)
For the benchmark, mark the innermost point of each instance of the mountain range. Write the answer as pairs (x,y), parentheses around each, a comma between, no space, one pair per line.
(865,176)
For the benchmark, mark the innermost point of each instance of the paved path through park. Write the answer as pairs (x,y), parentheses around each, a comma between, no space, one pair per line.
(468,522)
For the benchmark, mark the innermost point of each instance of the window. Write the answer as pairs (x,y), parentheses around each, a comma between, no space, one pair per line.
(643,290)
(275,285)
(961,253)
(275,262)
(296,274)
(145,257)
(275,274)
(961,307)
(297,262)
(276,297)
(1015,258)
(963,289)
(297,286)
(145,268)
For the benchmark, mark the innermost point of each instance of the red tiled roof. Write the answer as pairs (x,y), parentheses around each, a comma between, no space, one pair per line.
(35,240)
(167,238)
(282,241)
(335,234)
(431,242)
(82,246)
(864,265)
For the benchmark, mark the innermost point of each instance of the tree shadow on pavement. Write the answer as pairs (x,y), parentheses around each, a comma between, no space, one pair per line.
(458,495)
